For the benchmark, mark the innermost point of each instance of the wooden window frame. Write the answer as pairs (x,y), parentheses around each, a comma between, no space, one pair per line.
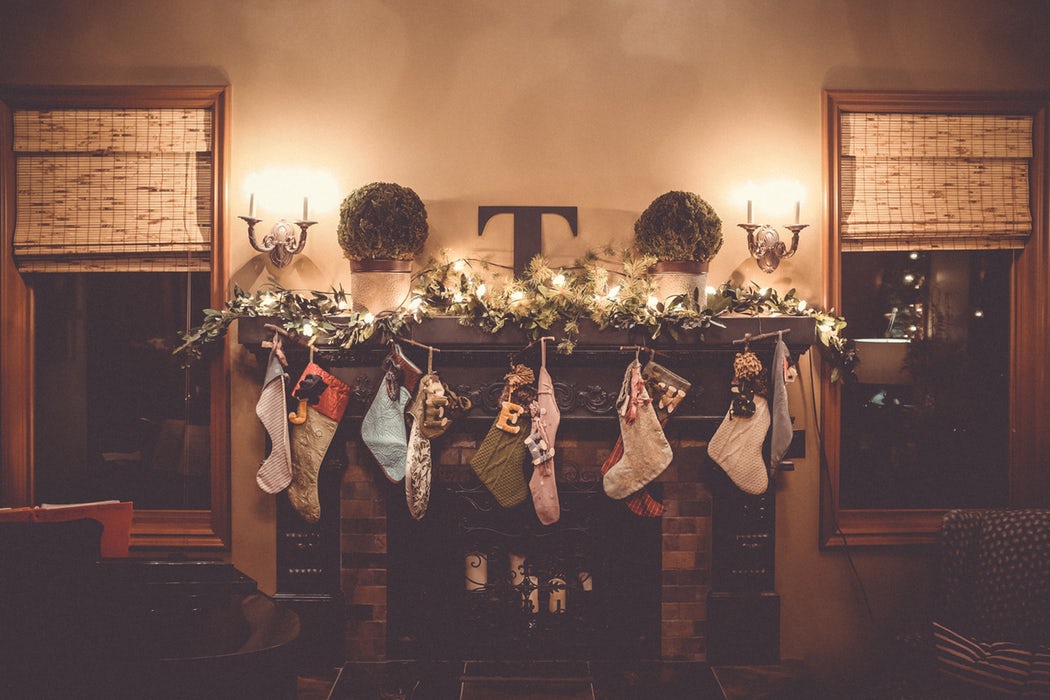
(203,529)
(1029,462)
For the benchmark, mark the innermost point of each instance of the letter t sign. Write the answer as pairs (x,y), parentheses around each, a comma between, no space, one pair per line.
(528,229)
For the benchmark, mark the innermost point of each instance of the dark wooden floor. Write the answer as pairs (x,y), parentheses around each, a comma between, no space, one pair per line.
(639,681)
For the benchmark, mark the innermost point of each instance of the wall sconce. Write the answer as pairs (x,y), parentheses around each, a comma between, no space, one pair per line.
(764,242)
(283,241)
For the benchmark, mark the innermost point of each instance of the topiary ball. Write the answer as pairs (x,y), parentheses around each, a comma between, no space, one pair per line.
(678,226)
(382,220)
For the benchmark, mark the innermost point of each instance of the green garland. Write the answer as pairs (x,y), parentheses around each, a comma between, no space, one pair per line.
(483,296)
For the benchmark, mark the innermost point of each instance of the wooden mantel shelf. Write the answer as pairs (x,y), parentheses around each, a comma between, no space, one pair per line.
(447,333)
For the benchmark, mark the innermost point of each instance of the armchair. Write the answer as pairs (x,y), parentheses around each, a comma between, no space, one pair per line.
(991,626)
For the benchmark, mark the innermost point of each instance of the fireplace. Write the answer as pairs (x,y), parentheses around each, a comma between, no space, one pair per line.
(598,585)
(475,581)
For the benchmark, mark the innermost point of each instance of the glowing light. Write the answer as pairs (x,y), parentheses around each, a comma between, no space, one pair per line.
(279,190)
(772,199)
(978,313)
(909,278)
(913,256)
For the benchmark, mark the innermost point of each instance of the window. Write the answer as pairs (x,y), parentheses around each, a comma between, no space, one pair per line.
(112,214)
(938,258)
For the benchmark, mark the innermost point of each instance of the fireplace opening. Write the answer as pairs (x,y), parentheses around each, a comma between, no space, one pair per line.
(473,580)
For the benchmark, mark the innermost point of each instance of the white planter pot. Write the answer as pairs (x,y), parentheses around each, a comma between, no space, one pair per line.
(672,278)
(379,285)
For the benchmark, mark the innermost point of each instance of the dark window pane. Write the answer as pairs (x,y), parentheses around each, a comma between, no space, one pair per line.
(927,426)
(116,417)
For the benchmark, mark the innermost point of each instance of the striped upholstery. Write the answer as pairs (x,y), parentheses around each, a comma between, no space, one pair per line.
(1005,667)
(992,622)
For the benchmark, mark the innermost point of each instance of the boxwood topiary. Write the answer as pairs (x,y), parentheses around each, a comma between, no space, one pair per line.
(382,220)
(678,226)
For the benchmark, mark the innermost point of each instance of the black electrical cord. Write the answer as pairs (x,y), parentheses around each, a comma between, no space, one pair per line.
(826,473)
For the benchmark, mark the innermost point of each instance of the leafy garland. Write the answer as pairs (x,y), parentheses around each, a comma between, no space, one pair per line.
(482,296)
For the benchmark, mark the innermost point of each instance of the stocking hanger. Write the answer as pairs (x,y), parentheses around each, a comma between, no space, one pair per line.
(638,349)
(542,342)
(748,338)
(429,348)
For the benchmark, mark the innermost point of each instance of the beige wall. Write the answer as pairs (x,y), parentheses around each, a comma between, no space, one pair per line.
(601,104)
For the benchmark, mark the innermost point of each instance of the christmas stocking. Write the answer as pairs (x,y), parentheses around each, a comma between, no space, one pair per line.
(499,461)
(641,503)
(545,420)
(383,427)
(419,465)
(322,402)
(781,433)
(736,447)
(418,470)
(275,472)
(646,452)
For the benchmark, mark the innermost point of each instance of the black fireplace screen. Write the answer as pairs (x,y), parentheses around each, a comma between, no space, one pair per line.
(473,580)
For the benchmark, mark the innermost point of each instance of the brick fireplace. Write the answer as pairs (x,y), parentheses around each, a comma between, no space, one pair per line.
(708,561)
(682,538)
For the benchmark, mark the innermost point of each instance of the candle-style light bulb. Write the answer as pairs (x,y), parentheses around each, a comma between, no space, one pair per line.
(251,205)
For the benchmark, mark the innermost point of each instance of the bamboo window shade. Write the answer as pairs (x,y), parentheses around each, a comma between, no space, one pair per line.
(113,190)
(934,181)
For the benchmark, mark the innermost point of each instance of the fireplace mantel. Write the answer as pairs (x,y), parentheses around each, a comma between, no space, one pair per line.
(339,565)
(448,333)
(587,381)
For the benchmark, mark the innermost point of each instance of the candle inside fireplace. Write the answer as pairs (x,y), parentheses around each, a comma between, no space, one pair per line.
(557,599)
